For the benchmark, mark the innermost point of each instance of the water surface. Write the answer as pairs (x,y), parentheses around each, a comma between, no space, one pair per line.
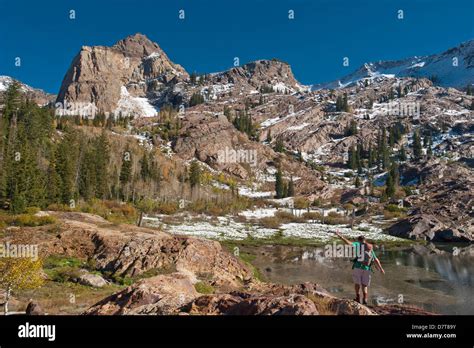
(439,283)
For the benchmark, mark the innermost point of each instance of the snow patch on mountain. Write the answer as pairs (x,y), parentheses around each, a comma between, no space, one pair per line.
(129,105)
(6,81)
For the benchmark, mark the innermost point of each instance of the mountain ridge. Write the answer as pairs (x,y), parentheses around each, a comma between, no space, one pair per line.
(435,66)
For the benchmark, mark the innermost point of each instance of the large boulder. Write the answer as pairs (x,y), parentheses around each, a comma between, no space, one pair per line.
(33,308)
(427,227)
(90,279)
(162,294)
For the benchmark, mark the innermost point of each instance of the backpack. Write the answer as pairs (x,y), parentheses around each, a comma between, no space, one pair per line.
(366,258)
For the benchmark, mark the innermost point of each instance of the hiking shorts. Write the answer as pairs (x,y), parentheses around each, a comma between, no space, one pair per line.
(361,276)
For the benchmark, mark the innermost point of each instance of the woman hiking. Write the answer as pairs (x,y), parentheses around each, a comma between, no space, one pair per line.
(361,266)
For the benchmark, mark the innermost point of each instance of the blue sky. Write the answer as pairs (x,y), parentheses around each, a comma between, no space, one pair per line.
(214,32)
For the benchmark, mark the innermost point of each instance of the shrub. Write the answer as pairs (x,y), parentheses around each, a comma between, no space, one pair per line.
(301,203)
(392,211)
(56,261)
(32,210)
(26,220)
(62,269)
(270,222)
(393,208)
(59,207)
(204,288)
(312,216)
(63,274)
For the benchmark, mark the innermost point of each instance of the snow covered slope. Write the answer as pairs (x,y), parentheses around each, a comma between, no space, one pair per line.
(452,68)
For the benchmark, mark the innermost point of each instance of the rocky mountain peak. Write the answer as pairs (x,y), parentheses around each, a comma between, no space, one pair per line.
(118,79)
(260,74)
(137,45)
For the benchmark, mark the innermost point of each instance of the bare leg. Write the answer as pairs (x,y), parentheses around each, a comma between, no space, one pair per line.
(357,287)
(365,293)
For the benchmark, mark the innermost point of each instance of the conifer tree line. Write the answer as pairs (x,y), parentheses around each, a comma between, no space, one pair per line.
(382,156)
(243,122)
(379,154)
(45,160)
(342,103)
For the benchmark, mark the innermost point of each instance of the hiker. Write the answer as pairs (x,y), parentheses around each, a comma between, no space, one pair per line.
(361,266)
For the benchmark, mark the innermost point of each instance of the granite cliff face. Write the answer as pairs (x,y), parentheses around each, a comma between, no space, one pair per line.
(120,78)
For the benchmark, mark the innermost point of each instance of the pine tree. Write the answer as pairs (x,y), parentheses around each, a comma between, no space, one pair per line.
(351,129)
(417,149)
(66,168)
(345,104)
(101,155)
(385,155)
(395,174)
(279,184)
(126,170)
(53,181)
(88,174)
(342,103)
(402,156)
(391,137)
(370,157)
(194,174)
(352,158)
(18,202)
(285,190)
(145,167)
(291,188)
(390,186)
(469,90)
(359,156)
(357,181)
(269,136)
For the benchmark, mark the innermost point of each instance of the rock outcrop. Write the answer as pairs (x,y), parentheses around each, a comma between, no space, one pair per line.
(253,305)
(443,209)
(175,294)
(254,76)
(128,251)
(163,294)
(427,227)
